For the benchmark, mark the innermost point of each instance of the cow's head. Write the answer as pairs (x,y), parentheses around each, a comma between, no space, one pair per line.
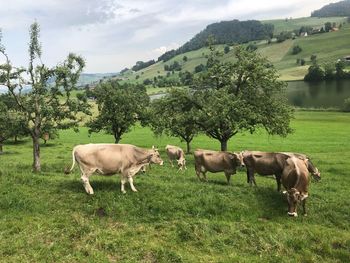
(313,170)
(155,156)
(181,163)
(237,158)
(294,197)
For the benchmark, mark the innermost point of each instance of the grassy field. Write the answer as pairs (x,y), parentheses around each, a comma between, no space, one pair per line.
(328,47)
(175,218)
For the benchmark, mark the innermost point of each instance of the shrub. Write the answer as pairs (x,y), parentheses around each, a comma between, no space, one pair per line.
(346,106)
(296,49)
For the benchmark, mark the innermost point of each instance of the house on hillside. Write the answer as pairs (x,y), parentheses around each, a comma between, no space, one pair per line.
(303,34)
(346,58)
(334,29)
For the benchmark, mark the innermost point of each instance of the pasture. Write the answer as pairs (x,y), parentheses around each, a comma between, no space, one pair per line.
(48,217)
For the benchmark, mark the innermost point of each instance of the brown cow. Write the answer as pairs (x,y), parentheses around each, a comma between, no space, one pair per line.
(295,178)
(213,161)
(310,166)
(176,153)
(109,159)
(264,163)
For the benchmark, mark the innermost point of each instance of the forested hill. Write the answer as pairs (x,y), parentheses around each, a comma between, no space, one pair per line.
(225,32)
(334,9)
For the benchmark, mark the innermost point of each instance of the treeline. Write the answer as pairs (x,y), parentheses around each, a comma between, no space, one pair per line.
(141,65)
(225,32)
(334,9)
(327,71)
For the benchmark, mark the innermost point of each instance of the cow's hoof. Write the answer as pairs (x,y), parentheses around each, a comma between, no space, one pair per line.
(134,191)
(294,214)
(124,192)
(305,214)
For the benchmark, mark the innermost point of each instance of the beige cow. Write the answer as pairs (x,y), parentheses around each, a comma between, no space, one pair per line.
(109,159)
(213,161)
(176,153)
(295,178)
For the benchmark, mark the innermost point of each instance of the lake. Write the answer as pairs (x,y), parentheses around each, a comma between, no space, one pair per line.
(323,94)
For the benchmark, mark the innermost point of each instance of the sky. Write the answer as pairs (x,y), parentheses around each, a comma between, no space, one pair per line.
(114,34)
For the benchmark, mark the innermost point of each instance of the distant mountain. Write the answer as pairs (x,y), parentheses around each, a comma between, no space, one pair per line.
(225,32)
(93,78)
(334,9)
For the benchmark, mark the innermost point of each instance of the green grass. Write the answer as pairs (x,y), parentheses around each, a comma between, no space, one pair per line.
(297,23)
(48,217)
(329,47)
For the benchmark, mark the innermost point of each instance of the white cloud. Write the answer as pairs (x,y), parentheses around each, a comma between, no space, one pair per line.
(161,50)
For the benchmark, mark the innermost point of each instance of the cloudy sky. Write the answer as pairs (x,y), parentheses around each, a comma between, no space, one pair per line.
(113,34)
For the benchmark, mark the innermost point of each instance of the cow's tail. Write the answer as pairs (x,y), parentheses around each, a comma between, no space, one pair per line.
(67,170)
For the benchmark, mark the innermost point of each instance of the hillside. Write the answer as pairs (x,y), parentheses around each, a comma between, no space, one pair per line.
(224,32)
(327,46)
(341,8)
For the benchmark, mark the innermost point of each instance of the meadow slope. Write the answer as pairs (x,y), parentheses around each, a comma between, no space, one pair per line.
(328,47)
(48,217)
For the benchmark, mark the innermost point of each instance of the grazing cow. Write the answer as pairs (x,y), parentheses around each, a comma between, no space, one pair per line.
(109,159)
(176,153)
(213,161)
(295,178)
(310,166)
(264,163)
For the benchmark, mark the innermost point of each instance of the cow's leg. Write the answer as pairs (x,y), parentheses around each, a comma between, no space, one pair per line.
(303,202)
(251,177)
(205,176)
(278,181)
(198,172)
(86,184)
(122,184)
(131,182)
(171,162)
(228,177)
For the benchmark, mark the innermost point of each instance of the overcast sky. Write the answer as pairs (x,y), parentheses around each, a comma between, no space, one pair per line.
(113,34)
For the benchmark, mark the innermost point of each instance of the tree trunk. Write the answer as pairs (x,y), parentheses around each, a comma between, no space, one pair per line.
(223,145)
(117,138)
(188,146)
(1,148)
(16,138)
(36,154)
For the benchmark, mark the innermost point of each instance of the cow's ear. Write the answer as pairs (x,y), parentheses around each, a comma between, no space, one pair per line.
(306,161)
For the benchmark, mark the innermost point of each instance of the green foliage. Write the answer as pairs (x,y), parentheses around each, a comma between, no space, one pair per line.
(327,26)
(315,73)
(175,115)
(233,97)
(341,8)
(199,68)
(284,36)
(49,105)
(339,69)
(175,66)
(329,69)
(140,65)
(296,49)
(346,106)
(119,106)
(227,49)
(251,47)
(185,58)
(186,78)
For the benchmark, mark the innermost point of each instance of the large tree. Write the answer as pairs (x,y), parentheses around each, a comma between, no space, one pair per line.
(175,115)
(119,106)
(49,104)
(240,96)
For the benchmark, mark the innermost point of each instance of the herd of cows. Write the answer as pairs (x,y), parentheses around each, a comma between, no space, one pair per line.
(290,169)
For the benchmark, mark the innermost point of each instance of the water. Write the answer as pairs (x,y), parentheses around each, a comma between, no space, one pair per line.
(323,94)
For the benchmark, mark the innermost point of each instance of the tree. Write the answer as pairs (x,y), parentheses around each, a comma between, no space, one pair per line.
(185,58)
(296,49)
(339,69)
(329,69)
(227,49)
(327,26)
(245,95)
(315,73)
(251,47)
(119,106)
(175,115)
(50,103)
(199,68)
(313,58)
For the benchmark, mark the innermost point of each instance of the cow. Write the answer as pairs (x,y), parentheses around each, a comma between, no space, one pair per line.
(264,163)
(310,166)
(176,153)
(213,161)
(295,178)
(272,163)
(109,159)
